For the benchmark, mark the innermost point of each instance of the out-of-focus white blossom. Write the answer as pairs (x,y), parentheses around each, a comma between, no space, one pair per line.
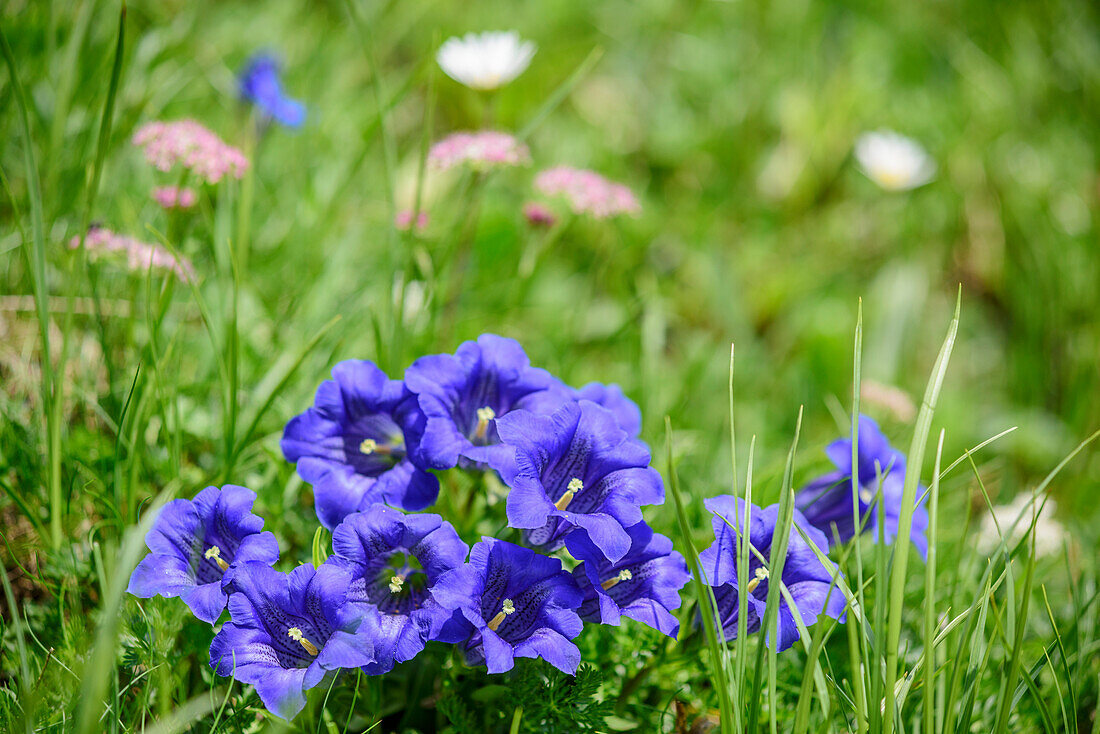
(485,60)
(894,162)
(1049,533)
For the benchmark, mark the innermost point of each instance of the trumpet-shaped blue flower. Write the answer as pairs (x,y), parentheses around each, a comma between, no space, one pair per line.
(827,500)
(395,562)
(290,630)
(356,445)
(612,397)
(511,602)
(260,84)
(806,578)
(463,395)
(643,585)
(197,545)
(573,469)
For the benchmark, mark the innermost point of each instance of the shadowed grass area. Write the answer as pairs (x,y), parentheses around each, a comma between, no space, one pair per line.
(734,125)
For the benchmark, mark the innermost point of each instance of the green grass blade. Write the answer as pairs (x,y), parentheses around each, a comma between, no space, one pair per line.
(778,556)
(905,521)
(930,588)
(36,255)
(707,605)
(100,667)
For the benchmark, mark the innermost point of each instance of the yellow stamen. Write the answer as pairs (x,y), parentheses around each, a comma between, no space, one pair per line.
(624,575)
(575,485)
(866,496)
(484,415)
(760,575)
(507,608)
(214,552)
(296,634)
(370,446)
(396,583)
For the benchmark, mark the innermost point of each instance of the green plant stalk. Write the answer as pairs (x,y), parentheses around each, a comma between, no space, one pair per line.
(856,648)
(778,555)
(905,520)
(100,667)
(37,258)
(707,606)
(1019,620)
(930,597)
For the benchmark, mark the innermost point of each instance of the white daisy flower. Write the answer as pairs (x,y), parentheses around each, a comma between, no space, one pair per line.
(485,60)
(1049,533)
(894,162)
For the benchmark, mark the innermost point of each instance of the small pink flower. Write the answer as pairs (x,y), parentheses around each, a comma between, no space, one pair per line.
(140,256)
(588,192)
(403,219)
(173,197)
(191,145)
(539,215)
(485,149)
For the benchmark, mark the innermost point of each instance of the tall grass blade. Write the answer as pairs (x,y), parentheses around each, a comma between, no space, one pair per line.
(707,606)
(100,667)
(36,256)
(930,588)
(778,556)
(905,521)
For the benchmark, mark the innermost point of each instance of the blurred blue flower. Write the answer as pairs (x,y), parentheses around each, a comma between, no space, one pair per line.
(511,602)
(643,585)
(259,84)
(395,560)
(827,500)
(290,630)
(805,576)
(196,547)
(626,411)
(356,445)
(463,395)
(576,469)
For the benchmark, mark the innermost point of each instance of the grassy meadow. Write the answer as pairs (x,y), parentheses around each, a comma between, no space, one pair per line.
(734,125)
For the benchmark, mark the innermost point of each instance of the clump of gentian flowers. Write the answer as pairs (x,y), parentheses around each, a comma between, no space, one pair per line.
(575,546)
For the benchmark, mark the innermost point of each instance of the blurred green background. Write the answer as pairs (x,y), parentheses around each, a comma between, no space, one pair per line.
(734,122)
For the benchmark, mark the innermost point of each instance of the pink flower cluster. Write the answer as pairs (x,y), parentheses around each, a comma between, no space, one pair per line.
(191,145)
(403,220)
(588,192)
(174,197)
(140,256)
(484,149)
(539,215)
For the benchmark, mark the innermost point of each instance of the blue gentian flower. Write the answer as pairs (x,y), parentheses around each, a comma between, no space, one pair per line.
(643,585)
(356,445)
(290,630)
(512,603)
(196,546)
(806,578)
(612,397)
(259,84)
(395,561)
(465,394)
(827,500)
(576,469)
